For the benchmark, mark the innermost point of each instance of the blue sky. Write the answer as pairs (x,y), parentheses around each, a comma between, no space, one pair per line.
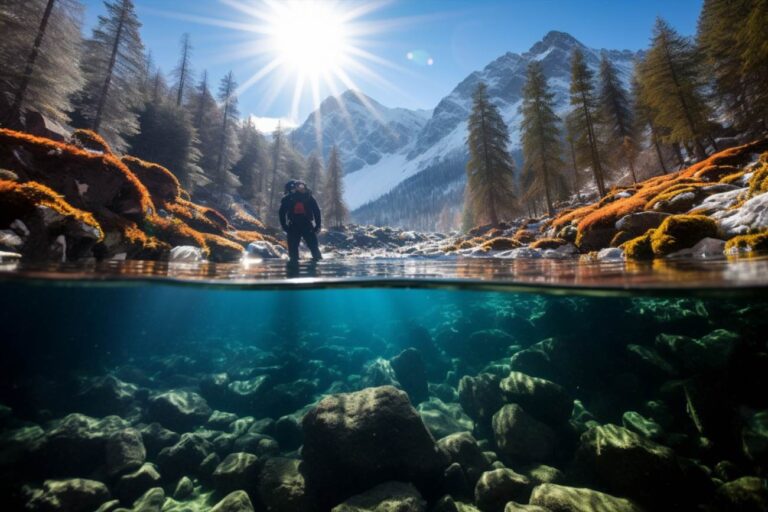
(459,35)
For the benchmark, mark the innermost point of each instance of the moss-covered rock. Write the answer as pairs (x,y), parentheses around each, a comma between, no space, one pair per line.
(681,232)
(639,248)
(548,243)
(747,243)
(501,244)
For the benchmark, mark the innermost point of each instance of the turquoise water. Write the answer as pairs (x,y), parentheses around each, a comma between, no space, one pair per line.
(682,376)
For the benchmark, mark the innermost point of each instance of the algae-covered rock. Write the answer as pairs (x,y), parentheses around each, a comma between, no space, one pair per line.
(541,398)
(132,485)
(237,471)
(746,494)
(496,488)
(387,497)
(282,486)
(754,437)
(124,451)
(185,456)
(411,372)
(185,488)
(353,441)
(558,498)
(635,422)
(462,448)
(681,232)
(710,352)
(519,507)
(237,501)
(179,410)
(480,396)
(150,501)
(521,437)
(156,437)
(443,419)
(73,495)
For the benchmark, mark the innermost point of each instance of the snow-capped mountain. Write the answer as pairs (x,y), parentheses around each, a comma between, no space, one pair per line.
(363,129)
(379,185)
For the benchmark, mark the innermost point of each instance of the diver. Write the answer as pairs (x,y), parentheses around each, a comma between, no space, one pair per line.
(300,218)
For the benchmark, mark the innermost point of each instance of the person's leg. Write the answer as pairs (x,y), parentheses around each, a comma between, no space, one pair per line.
(310,238)
(294,237)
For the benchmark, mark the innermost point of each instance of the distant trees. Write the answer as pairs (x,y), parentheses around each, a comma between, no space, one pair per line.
(583,116)
(615,119)
(39,57)
(251,167)
(336,211)
(112,64)
(227,149)
(540,137)
(490,170)
(314,173)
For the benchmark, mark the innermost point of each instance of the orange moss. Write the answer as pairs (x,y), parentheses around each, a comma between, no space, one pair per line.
(248,236)
(748,243)
(716,172)
(175,232)
(524,236)
(572,216)
(222,249)
(681,187)
(501,243)
(21,200)
(196,216)
(161,183)
(548,243)
(90,140)
(244,220)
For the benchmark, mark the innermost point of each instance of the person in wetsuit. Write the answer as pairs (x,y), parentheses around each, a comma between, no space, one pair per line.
(300,218)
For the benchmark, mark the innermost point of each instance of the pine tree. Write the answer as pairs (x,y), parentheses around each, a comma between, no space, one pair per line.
(335,209)
(540,137)
(670,76)
(753,41)
(584,113)
(183,71)
(112,65)
(616,118)
(227,150)
(39,55)
(490,170)
(644,118)
(252,166)
(277,167)
(206,118)
(314,173)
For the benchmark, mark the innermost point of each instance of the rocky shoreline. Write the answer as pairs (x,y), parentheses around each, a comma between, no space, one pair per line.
(539,411)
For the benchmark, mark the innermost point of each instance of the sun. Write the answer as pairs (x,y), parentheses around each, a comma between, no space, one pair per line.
(309,37)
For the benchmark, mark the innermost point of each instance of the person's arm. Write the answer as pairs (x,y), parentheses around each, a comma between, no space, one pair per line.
(283,213)
(316,214)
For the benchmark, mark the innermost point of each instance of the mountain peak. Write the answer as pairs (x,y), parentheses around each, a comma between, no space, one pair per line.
(555,37)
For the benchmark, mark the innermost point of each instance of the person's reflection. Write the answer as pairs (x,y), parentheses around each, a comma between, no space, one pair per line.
(294,269)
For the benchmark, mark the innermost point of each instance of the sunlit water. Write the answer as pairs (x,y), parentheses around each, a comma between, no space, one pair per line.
(595,329)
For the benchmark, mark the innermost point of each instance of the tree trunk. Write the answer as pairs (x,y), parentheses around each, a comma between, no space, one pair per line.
(659,154)
(18,99)
(575,169)
(596,167)
(110,70)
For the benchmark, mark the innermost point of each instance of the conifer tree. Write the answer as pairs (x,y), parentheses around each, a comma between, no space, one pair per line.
(183,71)
(206,118)
(227,150)
(277,168)
(490,170)
(672,87)
(584,113)
(616,118)
(112,64)
(643,117)
(753,41)
(540,138)
(252,165)
(314,173)
(335,209)
(39,55)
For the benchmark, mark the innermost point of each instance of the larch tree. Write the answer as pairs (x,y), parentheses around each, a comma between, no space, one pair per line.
(616,118)
(227,149)
(206,118)
(670,76)
(540,138)
(753,41)
(644,119)
(333,193)
(39,56)
(183,71)
(314,173)
(112,64)
(584,113)
(490,169)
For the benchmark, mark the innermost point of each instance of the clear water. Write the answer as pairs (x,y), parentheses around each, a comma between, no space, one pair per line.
(588,328)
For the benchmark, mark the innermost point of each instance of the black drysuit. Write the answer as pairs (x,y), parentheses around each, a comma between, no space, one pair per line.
(300,218)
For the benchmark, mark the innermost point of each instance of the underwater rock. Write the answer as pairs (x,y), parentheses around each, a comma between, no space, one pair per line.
(443,419)
(107,395)
(444,392)
(517,507)
(237,501)
(541,398)
(389,496)
(208,466)
(482,346)
(73,495)
(754,437)
(221,420)
(237,471)
(185,456)
(463,449)
(379,372)
(480,396)
(129,487)
(710,352)
(542,474)
(156,437)
(288,433)
(651,362)
(184,489)
(635,422)
(521,437)
(125,451)
(455,482)
(258,444)
(629,465)
(282,486)
(179,410)
(411,372)
(533,361)
(150,501)
(496,488)
(746,494)
(559,498)
(353,441)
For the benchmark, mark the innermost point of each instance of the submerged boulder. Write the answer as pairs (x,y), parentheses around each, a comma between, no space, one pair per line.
(496,488)
(179,410)
(541,398)
(464,450)
(443,419)
(559,498)
(520,437)
(185,456)
(411,372)
(237,501)
(124,451)
(746,494)
(132,485)
(282,486)
(237,471)
(353,441)
(73,495)
(390,496)
(480,396)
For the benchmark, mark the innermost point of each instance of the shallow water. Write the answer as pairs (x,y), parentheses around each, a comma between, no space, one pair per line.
(675,353)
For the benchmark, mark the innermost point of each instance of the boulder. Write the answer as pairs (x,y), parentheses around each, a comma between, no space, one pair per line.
(185,456)
(496,488)
(72,495)
(257,444)
(354,441)
(132,485)
(179,410)
(411,372)
(186,254)
(480,396)
(238,471)
(746,494)
(463,449)
(637,423)
(754,437)
(185,488)
(443,419)
(156,437)
(518,507)
(282,486)
(520,437)
(150,501)
(125,451)
(540,398)
(237,501)
(542,474)
(638,223)
(708,353)
(288,433)
(558,498)
(387,497)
